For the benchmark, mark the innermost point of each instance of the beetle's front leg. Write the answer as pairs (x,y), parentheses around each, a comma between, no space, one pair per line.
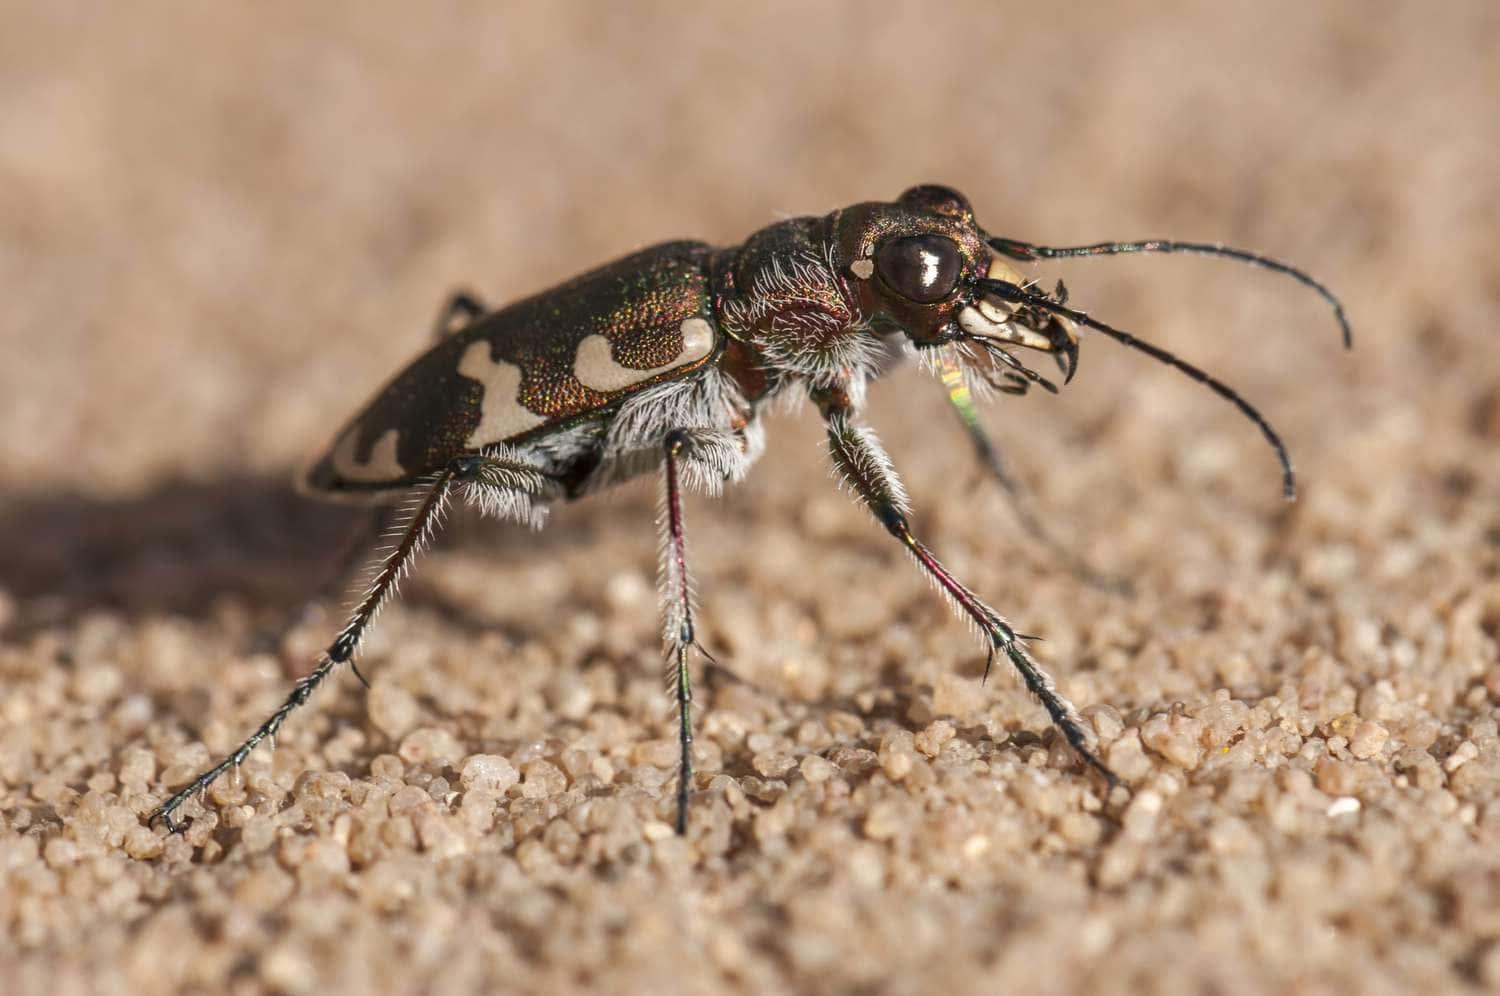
(859,457)
(962,402)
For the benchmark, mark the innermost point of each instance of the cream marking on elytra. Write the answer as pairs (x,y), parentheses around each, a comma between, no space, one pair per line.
(596,368)
(862,268)
(382,464)
(501,414)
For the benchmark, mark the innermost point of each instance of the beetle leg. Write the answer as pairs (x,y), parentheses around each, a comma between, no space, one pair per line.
(1020,502)
(424,520)
(677,608)
(489,475)
(860,459)
(458,313)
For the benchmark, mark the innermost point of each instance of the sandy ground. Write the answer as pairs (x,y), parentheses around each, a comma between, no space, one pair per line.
(220,230)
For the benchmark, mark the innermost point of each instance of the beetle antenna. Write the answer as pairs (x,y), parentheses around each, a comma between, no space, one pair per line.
(1020,295)
(1025,251)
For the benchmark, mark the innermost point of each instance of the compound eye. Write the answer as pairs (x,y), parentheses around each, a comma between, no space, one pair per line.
(922,268)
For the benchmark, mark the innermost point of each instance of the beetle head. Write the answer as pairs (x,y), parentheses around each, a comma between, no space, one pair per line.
(923,265)
(920,264)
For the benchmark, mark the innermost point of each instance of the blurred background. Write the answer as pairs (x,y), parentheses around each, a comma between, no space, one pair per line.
(222,225)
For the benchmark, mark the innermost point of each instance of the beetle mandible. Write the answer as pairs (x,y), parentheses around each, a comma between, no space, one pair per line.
(664,361)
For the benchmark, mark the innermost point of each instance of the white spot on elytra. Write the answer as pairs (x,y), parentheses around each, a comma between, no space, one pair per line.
(595,365)
(382,464)
(501,414)
(862,268)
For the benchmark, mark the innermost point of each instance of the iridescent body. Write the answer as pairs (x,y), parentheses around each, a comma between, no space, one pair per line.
(664,362)
(552,362)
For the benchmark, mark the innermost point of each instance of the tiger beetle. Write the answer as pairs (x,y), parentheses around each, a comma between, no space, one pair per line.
(664,362)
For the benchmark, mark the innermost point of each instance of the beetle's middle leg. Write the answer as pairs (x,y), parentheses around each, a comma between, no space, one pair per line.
(677,598)
(862,461)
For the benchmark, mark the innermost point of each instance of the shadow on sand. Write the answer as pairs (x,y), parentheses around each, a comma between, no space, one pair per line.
(176,550)
(187,546)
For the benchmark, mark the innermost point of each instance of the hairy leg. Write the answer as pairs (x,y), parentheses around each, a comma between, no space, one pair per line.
(859,457)
(490,477)
(696,457)
(677,612)
(458,312)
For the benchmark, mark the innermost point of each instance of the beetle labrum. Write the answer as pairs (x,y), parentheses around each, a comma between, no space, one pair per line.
(663,362)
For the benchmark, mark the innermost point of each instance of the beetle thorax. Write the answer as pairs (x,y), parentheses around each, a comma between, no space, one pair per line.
(800,318)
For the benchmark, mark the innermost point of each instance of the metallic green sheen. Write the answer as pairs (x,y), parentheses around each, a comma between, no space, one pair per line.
(637,303)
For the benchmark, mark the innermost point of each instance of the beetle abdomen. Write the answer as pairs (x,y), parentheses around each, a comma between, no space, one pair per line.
(535,365)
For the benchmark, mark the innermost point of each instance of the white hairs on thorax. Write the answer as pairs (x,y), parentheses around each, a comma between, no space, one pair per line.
(797,315)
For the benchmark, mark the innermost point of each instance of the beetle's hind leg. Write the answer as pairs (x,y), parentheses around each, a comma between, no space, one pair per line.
(388,572)
(500,485)
(458,312)
(1020,501)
